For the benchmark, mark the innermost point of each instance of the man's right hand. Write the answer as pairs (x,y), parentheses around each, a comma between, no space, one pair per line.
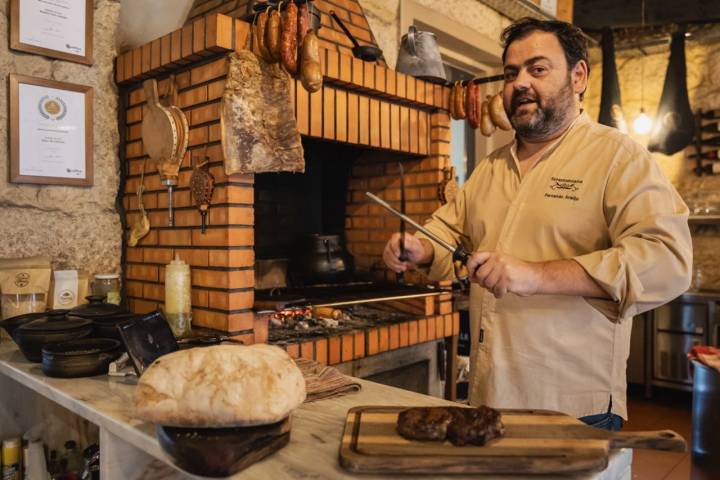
(418,251)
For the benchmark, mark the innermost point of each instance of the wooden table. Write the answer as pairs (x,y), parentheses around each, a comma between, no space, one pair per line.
(129,449)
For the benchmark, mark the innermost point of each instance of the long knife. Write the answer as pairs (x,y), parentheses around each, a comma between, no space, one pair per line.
(458,253)
(403,255)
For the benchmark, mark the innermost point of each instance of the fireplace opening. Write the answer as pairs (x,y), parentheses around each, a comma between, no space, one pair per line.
(291,205)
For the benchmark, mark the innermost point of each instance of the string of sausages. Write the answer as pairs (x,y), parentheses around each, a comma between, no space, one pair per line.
(287,38)
(466,103)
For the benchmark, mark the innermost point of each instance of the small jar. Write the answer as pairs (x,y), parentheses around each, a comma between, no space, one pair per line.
(108,286)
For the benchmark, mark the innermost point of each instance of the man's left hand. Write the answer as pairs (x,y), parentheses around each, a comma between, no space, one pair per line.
(501,273)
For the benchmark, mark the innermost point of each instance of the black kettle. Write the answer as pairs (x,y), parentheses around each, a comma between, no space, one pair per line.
(322,259)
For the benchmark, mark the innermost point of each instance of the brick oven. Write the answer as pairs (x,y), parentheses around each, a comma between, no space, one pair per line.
(367,114)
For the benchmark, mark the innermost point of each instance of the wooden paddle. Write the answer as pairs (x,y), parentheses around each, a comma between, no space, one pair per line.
(534,442)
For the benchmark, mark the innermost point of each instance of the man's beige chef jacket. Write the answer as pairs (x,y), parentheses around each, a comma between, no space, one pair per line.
(597,197)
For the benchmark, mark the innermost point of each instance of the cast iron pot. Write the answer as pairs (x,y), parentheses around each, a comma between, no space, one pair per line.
(322,259)
(97,308)
(107,327)
(105,316)
(52,327)
(221,452)
(79,358)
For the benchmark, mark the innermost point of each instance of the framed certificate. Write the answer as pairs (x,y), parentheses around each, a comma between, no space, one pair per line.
(54,28)
(51,132)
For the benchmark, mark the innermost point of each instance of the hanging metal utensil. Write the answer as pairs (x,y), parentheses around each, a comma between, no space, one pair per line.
(403,254)
(140,227)
(366,53)
(202,185)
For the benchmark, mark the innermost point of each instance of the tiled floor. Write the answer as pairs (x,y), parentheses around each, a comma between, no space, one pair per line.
(666,410)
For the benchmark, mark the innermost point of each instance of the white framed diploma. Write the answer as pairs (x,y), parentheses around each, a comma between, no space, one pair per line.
(51,132)
(55,28)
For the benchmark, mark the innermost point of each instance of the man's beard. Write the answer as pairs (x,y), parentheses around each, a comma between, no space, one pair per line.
(549,116)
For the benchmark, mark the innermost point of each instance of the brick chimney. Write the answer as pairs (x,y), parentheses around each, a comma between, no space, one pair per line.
(388,115)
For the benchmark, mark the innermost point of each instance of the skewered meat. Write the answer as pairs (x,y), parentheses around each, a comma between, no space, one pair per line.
(460,425)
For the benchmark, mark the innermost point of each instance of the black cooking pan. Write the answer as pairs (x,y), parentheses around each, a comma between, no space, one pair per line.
(79,358)
(366,53)
(54,326)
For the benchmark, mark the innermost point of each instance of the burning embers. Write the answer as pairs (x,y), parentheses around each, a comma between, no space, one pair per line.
(303,322)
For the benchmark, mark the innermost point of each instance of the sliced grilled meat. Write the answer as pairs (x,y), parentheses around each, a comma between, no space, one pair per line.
(460,425)
(475,426)
(424,423)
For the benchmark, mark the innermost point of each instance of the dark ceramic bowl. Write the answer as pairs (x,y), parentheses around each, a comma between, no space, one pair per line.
(50,328)
(80,358)
(222,452)
(107,327)
(12,323)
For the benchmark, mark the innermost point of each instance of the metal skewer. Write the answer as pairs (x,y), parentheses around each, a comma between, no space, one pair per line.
(458,252)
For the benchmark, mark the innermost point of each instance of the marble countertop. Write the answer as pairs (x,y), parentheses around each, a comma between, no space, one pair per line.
(316,432)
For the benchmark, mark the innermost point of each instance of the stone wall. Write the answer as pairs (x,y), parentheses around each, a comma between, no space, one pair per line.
(703,78)
(384,19)
(78,227)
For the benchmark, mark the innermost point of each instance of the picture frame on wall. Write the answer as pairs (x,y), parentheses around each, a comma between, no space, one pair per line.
(51,132)
(61,29)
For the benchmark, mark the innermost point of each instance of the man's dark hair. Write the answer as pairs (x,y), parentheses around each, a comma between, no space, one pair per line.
(571,38)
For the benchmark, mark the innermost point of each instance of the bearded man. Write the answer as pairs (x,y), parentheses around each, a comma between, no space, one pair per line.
(574,230)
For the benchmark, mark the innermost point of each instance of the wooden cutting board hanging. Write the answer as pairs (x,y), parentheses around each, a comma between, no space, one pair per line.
(534,442)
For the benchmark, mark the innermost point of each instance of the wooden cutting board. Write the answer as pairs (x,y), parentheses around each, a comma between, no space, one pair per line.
(535,442)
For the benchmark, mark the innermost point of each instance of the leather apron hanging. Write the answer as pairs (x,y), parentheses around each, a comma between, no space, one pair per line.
(674,125)
(611,113)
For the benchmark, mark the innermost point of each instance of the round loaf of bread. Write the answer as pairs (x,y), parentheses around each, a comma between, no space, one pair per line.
(220,386)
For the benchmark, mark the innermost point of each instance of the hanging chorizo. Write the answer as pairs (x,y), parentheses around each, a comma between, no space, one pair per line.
(460,101)
(288,39)
(272,35)
(261,27)
(303,22)
(451,103)
(472,108)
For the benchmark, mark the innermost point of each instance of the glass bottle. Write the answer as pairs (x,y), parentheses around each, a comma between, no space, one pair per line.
(178,309)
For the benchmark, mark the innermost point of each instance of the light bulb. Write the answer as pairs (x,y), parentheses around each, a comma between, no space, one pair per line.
(642,123)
